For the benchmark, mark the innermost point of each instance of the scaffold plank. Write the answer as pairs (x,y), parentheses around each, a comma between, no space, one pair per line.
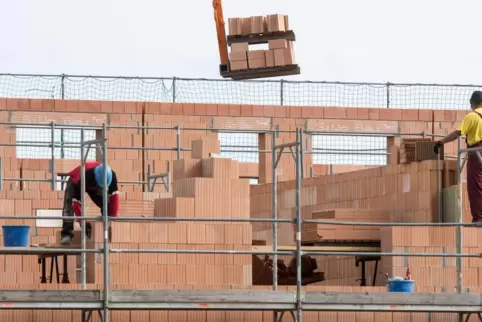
(204,296)
(241,300)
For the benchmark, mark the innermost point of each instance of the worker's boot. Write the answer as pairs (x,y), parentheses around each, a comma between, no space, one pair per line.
(110,234)
(88,230)
(66,240)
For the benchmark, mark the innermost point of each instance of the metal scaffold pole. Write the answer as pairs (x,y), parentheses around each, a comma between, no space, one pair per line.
(458,229)
(105,216)
(83,273)
(299,312)
(275,217)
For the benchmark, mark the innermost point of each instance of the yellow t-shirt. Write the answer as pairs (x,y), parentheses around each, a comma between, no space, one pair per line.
(471,127)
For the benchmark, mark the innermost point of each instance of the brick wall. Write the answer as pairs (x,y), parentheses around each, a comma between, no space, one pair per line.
(185,271)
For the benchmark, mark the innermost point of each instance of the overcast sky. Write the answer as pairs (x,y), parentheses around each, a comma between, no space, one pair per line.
(338,40)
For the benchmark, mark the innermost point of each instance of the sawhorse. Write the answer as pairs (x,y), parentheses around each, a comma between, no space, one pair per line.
(87,315)
(469,314)
(280,318)
(54,268)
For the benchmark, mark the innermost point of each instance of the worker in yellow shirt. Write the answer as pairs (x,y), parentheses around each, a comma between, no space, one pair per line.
(471,128)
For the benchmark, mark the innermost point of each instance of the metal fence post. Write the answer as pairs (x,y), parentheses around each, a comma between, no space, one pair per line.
(62,86)
(388,94)
(174,89)
(282,92)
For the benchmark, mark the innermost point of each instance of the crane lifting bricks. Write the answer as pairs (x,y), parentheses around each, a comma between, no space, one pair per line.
(241,63)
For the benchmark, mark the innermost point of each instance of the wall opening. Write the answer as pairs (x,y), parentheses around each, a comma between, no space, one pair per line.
(242,147)
(67,141)
(348,149)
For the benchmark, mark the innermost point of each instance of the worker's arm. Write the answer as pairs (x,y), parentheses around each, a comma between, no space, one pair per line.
(464,127)
(451,137)
(113,197)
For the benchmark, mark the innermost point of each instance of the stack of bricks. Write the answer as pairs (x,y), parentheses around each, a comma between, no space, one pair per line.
(312,232)
(203,187)
(280,51)
(408,149)
(258,25)
(408,192)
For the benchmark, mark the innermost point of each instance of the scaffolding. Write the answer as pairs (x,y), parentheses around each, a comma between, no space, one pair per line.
(276,300)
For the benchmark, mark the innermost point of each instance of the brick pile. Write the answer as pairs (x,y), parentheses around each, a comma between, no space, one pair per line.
(280,52)
(258,24)
(407,192)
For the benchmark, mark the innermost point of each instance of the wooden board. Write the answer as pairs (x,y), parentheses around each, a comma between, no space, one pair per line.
(320,248)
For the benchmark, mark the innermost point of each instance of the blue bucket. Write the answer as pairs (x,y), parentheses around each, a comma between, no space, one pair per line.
(16,236)
(401,286)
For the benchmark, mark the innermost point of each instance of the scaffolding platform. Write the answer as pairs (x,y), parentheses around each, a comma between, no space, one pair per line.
(253,300)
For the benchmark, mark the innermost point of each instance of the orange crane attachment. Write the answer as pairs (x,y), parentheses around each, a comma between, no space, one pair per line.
(221,32)
(224,41)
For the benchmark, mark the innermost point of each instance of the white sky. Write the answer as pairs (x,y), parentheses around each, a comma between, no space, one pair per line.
(342,40)
(424,41)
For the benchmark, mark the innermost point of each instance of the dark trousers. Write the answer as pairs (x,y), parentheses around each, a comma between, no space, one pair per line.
(68,211)
(474,184)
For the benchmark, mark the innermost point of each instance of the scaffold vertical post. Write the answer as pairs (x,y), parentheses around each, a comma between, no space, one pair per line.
(105,216)
(302,152)
(298,227)
(458,229)
(274,154)
(52,166)
(178,141)
(82,203)
(1,175)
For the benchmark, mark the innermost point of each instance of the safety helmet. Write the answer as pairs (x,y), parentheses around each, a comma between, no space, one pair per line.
(99,173)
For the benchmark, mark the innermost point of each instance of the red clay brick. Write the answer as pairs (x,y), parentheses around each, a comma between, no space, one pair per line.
(295,111)
(425,115)
(334,112)
(234,110)
(223,109)
(268,110)
(410,115)
(188,109)
(390,114)
(200,109)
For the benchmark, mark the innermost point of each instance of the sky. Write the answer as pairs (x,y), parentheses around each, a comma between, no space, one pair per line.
(424,41)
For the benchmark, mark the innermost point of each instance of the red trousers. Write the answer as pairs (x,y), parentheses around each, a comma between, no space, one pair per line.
(474,184)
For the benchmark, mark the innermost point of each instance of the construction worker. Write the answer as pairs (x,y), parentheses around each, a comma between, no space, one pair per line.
(93,187)
(471,128)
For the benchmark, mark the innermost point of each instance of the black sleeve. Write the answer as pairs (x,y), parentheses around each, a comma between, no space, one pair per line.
(113,185)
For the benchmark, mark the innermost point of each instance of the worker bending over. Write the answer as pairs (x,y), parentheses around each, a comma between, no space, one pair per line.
(471,128)
(93,187)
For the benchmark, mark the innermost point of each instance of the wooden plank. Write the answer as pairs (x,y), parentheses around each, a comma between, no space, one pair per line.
(203,296)
(382,298)
(320,248)
(49,296)
(44,251)
(263,38)
(262,72)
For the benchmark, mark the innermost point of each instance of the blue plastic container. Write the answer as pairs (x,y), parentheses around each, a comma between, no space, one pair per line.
(401,286)
(16,236)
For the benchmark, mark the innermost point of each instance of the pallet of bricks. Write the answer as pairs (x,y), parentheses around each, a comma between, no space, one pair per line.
(280,51)
(415,150)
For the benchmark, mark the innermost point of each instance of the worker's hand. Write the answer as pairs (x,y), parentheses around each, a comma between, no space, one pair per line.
(437,146)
